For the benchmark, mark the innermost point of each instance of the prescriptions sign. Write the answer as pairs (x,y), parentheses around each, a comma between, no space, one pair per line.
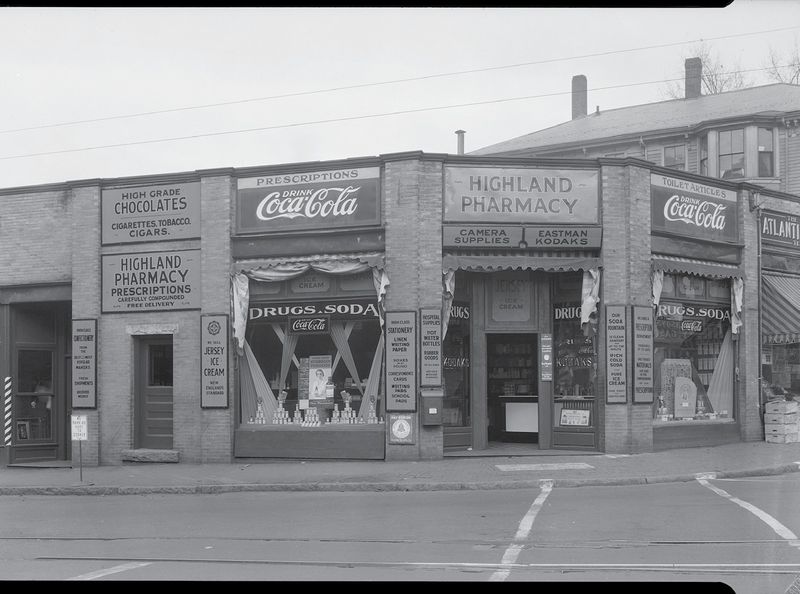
(151,213)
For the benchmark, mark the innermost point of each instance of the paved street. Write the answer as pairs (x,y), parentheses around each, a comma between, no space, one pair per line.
(738,531)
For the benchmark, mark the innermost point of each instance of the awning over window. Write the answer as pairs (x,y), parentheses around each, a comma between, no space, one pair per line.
(493,261)
(698,267)
(780,309)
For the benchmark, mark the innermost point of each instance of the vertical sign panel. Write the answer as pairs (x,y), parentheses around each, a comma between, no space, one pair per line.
(401,361)
(80,428)
(214,361)
(430,330)
(84,363)
(546,357)
(642,354)
(616,347)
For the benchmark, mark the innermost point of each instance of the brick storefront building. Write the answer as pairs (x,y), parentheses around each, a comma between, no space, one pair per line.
(297,310)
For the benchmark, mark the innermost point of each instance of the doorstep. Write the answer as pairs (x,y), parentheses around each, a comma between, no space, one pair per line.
(145,455)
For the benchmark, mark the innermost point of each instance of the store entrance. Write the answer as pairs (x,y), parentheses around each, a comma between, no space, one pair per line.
(153,418)
(512,388)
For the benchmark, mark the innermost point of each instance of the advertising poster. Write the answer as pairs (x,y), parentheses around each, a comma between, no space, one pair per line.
(401,361)
(309,200)
(320,382)
(431,347)
(616,347)
(151,213)
(214,361)
(643,365)
(151,281)
(524,195)
(84,363)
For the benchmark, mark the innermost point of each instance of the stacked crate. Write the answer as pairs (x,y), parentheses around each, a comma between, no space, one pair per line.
(781,421)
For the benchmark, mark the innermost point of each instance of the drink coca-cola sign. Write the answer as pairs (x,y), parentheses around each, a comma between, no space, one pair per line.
(689,208)
(310,325)
(308,200)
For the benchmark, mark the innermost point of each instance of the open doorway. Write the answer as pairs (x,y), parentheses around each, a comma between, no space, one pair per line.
(512,387)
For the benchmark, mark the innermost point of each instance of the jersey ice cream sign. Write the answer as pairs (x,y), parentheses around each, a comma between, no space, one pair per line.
(692,209)
(308,200)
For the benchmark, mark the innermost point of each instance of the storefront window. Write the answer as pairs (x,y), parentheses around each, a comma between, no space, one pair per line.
(693,354)
(780,371)
(456,363)
(33,406)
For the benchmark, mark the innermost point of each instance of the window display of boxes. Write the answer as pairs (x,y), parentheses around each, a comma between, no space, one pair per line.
(781,421)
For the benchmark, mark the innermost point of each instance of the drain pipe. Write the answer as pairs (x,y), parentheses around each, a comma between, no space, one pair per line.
(460,134)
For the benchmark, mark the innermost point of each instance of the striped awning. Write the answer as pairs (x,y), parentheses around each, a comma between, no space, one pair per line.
(494,261)
(373,259)
(780,309)
(698,267)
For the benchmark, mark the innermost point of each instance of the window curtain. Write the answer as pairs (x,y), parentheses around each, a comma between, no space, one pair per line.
(720,388)
(448,293)
(373,381)
(590,296)
(658,286)
(737,292)
(254,387)
(339,338)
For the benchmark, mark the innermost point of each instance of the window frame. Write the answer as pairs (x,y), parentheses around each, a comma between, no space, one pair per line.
(731,152)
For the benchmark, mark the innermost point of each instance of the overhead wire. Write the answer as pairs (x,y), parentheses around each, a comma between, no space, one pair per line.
(389,82)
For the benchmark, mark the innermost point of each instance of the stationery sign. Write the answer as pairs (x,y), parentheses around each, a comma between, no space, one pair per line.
(692,209)
(616,347)
(309,200)
(430,330)
(214,361)
(642,354)
(546,357)
(151,213)
(522,195)
(84,363)
(401,361)
(151,281)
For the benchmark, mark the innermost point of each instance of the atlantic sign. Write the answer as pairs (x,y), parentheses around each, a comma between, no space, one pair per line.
(308,200)
(780,228)
(523,195)
(691,209)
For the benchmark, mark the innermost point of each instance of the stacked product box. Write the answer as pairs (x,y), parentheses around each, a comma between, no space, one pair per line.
(781,421)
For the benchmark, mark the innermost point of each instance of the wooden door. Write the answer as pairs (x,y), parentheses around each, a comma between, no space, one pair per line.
(153,419)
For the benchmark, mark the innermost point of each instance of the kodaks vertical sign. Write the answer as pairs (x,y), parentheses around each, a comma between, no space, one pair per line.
(151,281)
(691,209)
(308,200)
(151,213)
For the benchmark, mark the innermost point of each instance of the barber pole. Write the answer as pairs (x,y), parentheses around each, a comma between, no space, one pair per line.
(7,413)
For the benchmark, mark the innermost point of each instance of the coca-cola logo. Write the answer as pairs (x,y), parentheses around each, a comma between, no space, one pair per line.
(324,202)
(693,211)
(692,326)
(309,325)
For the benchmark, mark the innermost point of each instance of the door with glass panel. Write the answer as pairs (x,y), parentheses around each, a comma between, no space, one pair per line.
(153,417)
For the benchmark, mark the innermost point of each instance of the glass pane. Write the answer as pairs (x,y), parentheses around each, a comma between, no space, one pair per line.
(160,365)
(765,165)
(33,418)
(35,371)
(737,141)
(724,142)
(456,365)
(765,139)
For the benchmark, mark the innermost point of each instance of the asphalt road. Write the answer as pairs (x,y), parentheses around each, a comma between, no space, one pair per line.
(742,532)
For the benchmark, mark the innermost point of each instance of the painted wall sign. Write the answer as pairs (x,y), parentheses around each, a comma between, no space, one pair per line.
(84,363)
(214,361)
(481,236)
(401,360)
(151,213)
(309,200)
(691,209)
(780,229)
(643,331)
(511,296)
(430,335)
(546,357)
(401,428)
(151,281)
(525,195)
(616,352)
(564,237)
(310,325)
(352,309)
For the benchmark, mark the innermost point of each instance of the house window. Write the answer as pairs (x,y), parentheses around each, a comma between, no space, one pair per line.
(704,155)
(675,157)
(731,153)
(766,164)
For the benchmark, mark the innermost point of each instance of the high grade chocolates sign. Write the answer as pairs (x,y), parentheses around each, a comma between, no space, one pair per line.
(308,200)
(692,209)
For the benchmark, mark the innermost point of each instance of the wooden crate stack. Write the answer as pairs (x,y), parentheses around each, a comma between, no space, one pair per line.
(781,421)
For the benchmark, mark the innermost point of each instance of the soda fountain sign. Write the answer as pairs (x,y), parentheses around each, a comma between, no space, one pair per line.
(310,200)
(683,207)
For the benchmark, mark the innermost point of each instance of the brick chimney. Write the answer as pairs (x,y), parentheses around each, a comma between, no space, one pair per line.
(578,96)
(694,77)
(460,134)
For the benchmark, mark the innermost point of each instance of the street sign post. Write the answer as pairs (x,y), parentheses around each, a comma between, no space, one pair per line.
(80,433)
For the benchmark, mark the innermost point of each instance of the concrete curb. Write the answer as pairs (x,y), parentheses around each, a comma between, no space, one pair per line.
(393,486)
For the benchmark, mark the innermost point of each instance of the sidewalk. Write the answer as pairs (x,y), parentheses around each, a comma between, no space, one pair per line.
(452,473)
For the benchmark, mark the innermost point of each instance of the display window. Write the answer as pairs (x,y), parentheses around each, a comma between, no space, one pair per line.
(780,371)
(693,355)
(456,366)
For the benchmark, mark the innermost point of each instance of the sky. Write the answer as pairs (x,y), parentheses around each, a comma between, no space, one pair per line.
(245,87)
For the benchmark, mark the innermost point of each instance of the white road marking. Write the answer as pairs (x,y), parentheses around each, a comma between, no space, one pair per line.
(524,529)
(776,526)
(555,466)
(615,455)
(104,572)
